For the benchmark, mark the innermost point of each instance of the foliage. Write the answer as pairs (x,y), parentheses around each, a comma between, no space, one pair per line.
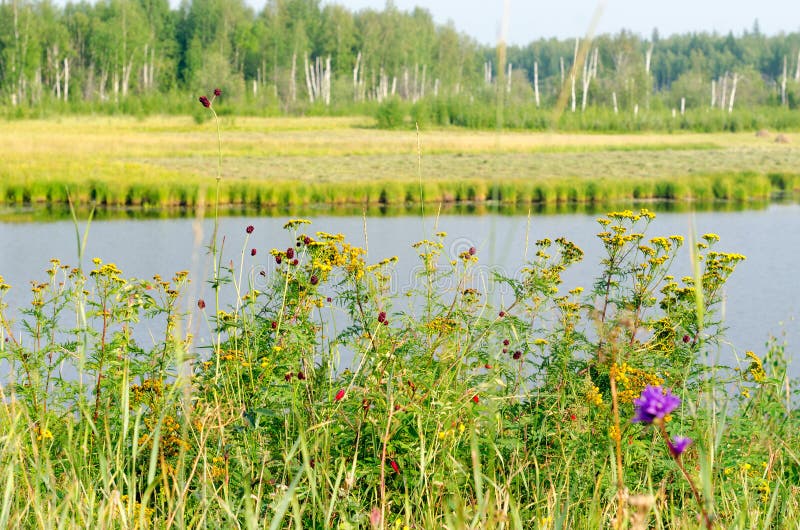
(144,57)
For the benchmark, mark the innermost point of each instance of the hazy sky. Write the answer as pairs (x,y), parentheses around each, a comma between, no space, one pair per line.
(532,19)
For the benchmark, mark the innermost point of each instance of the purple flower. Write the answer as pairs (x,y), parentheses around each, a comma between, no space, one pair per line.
(679,444)
(204,101)
(655,403)
(217,92)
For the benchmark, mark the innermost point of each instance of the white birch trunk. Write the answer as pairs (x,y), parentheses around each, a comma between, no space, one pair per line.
(508,81)
(683,106)
(572,76)
(713,93)
(733,93)
(614,100)
(355,77)
(783,83)
(309,86)
(536,82)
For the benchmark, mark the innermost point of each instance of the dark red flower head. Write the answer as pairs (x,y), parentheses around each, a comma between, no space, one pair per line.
(395,467)
(339,395)
(252,252)
(475,398)
(204,100)
(217,92)
(201,304)
(249,229)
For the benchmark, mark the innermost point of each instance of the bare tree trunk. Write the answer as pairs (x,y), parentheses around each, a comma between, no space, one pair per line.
(436,88)
(561,60)
(573,91)
(126,74)
(614,100)
(66,79)
(394,85)
(733,92)
(355,77)
(647,58)
(508,80)
(783,83)
(683,106)
(797,69)
(422,85)
(713,93)
(724,91)
(308,74)
(536,82)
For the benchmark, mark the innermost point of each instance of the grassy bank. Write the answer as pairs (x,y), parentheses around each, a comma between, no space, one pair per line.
(458,410)
(301,161)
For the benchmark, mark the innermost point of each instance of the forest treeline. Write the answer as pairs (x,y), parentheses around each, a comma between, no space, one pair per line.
(301,57)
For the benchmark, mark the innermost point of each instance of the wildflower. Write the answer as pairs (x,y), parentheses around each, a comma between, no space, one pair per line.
(274,324)
(475,398)
(249,229)
(339,395)
(501,314)
(205,102)
(678,445)
(472,251)
(382,316)
(201,304)
(517,355)
(252,252)
(506,342)
(654,404)
(395,467)
(314,280)
(301,376)
(288,376)
(686,339)
(217,92)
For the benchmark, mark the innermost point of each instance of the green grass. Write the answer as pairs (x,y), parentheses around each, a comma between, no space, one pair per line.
(303,161)
(438,421)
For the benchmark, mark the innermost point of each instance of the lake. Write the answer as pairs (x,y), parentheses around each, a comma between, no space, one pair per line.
(762,297)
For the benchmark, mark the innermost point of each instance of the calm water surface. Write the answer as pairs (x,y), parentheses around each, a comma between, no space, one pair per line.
(762,297)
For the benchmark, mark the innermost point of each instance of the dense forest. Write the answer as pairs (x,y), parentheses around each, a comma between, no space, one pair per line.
(300,57)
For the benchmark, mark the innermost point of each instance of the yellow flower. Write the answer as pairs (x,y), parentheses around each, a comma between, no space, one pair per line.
(292,223)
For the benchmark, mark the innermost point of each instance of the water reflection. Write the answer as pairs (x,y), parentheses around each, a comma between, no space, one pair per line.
(762,297)
(49,213)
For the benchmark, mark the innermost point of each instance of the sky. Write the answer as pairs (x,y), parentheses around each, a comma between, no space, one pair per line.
(530,20)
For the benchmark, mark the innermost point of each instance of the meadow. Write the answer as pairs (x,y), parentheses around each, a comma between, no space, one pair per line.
(267,162)
(593,406)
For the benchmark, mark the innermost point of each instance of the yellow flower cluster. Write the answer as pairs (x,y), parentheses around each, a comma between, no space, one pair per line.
(756,368)
(148,391)
(294,223)
(593,395)
(632,381)
(442,325)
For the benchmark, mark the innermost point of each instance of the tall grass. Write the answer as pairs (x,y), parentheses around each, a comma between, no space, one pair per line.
(458,408)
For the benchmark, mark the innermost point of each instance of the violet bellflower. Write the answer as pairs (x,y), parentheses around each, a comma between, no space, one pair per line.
(654,404)
(678,445)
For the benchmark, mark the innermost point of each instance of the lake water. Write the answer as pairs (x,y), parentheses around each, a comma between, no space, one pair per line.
(762,297)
